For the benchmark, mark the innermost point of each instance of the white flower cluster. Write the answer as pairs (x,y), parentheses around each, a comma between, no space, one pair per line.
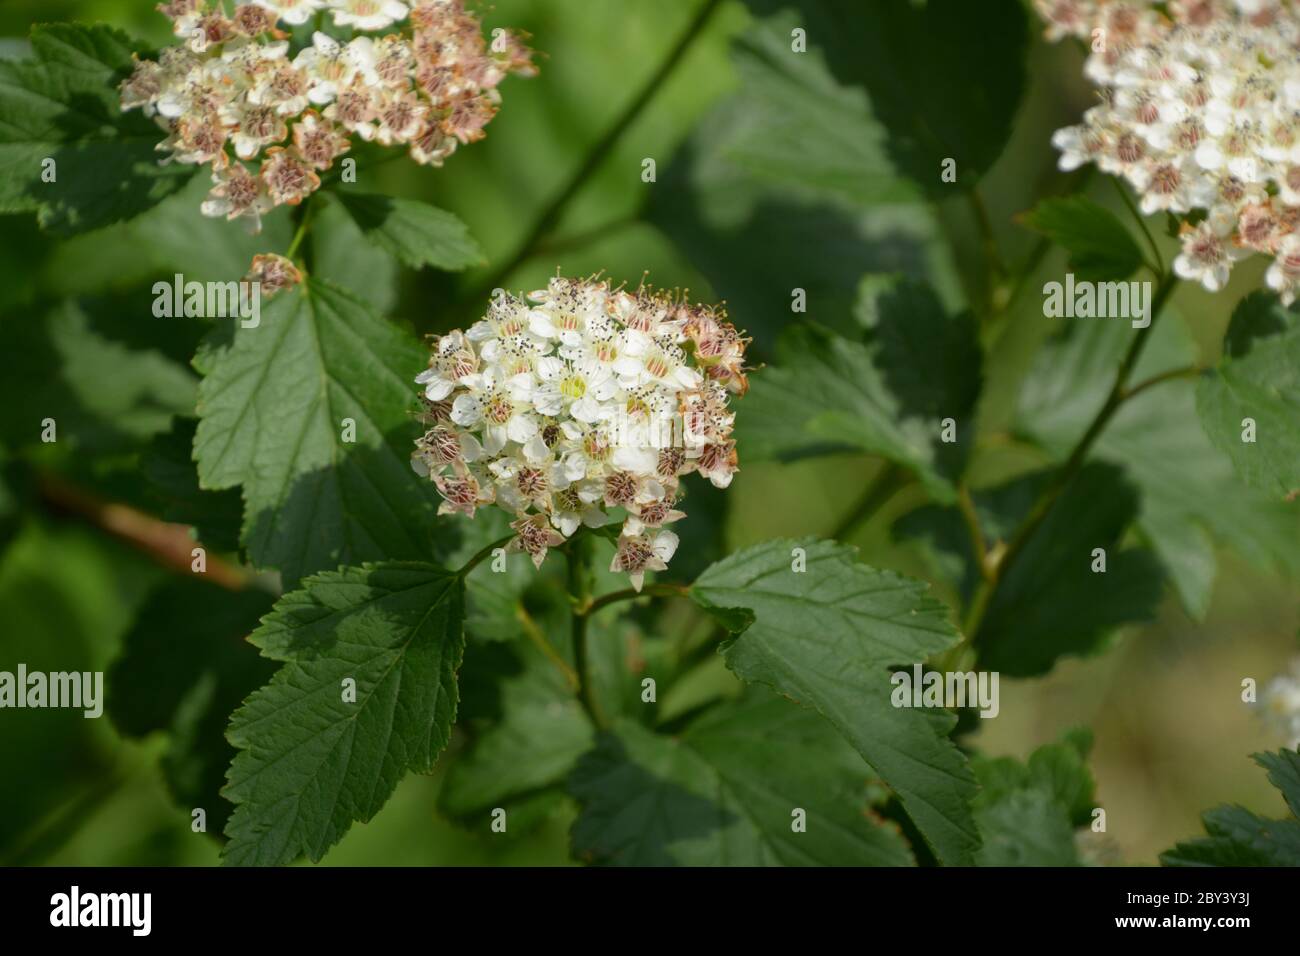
(1200,112)
(1280,704)
(578,399)
(232,87)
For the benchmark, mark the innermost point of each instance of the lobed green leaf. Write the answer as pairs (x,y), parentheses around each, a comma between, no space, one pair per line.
(827,637)
(311,760)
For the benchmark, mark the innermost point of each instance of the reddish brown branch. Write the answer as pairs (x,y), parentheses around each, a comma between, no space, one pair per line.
(168,545)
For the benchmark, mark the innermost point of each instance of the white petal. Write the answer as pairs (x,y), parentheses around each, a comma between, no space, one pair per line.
(466,411)
(470,447)
(520,386)
(539,323)
(575,466)
(665,546)
(642,461)
(585,409)
(438,389)
(1184,268)
(521,428)
(535,449)
(1208,155)
(549,368)
(323,42)
(687,377)
(494,439)
(627,366)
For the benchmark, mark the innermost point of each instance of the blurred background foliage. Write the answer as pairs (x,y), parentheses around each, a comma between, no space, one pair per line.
(766,181)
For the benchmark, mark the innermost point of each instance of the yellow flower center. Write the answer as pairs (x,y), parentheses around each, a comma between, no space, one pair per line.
(573,386)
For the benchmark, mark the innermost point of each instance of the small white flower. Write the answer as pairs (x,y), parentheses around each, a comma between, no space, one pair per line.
(238,194)
(329,66)
(293,12)
(574,506)
(368,14)
(400,117)
(1208,255)
(637,554)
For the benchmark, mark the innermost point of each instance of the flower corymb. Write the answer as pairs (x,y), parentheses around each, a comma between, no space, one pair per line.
(233,92)
(1200,112)
(577,401)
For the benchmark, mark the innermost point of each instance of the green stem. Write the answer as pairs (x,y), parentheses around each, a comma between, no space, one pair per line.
(534,634)
(631,594)
(54,831)
(303,221)
(550,216)
(1159,267)
(1119,393)
(887,482)
(1191,371)
(580,593)
(551,246)
(966,504)
(988,240)
(483,555)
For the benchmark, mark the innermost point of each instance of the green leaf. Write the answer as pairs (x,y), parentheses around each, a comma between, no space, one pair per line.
(184,667)
(68,593)
(494,598)
(172,237)
(887,394)
(1188,487)
(415,232)
(102,395)
(789,99)
(1258,379)
(272,412)
(173,483)
(1099,247)
(1049,602)
(538,736)
(311,761)
(341,254)
(1284,773)
(62,105)
(1237,837)
(724,793)
(1027,813)
(1025,828)
(827,637)
(761,215)
(620,655)
(940,94)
